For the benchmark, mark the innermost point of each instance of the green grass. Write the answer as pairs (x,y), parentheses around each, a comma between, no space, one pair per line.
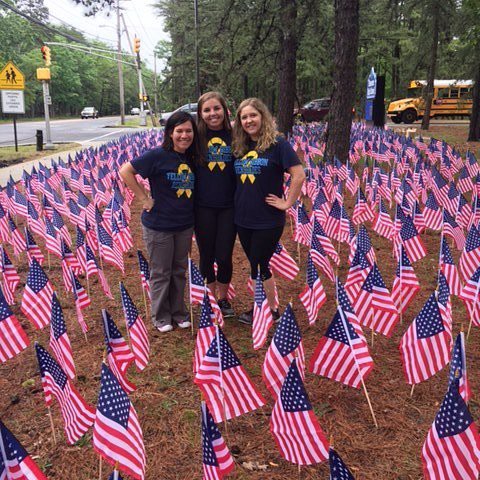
(135,122)
(8,155)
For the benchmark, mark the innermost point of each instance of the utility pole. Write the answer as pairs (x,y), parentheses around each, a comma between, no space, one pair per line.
(120,68)
(197,60)
(155,96)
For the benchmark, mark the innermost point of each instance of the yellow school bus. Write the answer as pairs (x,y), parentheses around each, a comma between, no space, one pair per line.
(450,97)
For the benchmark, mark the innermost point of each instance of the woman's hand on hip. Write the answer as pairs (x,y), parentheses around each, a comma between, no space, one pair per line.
(277,202)
(147,204)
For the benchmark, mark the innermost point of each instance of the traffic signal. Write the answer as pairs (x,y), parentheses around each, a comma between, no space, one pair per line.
(46,55)
(136,45)
(146,98)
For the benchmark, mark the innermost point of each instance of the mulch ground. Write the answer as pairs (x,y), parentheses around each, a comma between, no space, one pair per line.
(168,402)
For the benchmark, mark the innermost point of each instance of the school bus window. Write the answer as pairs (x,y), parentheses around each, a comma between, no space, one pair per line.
(465,93)
(443,92)
(454,93)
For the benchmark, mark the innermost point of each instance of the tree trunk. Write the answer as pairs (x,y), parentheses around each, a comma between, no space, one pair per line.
(344,78)
(474,131)
(431,69)
(288,66)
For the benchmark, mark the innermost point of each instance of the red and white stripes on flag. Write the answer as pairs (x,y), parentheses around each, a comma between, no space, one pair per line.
(227,389)
(283,264)
(313,295)
(262,315)
(13,338)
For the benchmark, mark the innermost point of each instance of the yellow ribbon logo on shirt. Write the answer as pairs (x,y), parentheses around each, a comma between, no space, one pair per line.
(247,159)
(215,149)
(185,172)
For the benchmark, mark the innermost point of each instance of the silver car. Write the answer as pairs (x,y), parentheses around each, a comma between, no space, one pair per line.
(190,108)
(89,112)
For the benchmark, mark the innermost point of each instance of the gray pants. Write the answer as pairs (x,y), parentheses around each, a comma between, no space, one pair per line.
(168,253)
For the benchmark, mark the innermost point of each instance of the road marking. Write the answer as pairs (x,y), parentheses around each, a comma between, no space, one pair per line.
(102,136)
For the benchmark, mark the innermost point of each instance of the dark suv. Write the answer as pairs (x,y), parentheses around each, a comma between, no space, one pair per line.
(314,111)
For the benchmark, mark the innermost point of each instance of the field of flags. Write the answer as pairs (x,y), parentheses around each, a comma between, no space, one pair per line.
(378,271)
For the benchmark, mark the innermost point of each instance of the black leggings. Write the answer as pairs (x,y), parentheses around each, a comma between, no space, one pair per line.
(259,246)
(215,233)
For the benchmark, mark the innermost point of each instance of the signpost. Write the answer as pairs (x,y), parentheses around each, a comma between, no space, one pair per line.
(12,84)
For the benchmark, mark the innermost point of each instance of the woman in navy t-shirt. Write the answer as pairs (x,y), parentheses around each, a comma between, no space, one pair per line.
(214,190)
(168,216)
(261,159)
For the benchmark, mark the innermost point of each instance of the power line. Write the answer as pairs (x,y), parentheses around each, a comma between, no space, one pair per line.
(41,24)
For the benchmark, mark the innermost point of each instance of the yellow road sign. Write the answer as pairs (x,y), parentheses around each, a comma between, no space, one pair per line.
(11,78)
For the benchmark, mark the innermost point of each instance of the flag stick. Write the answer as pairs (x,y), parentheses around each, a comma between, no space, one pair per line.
(88,283)
(400,280)
(191,318)
(145,302)
(3,457)
(472,312)
(298,252)
(51,424)
(345,327)
(373,336)
(124,313)
(100,468)
(219,353)
(411,391)
(115,472)
(48,257)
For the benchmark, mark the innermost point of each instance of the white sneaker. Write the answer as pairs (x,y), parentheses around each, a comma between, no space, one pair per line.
(185,324)
(165,328)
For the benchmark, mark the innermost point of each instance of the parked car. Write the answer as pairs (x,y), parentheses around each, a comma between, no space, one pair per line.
(135,111)
(89,112)
(315,110)
(190,108)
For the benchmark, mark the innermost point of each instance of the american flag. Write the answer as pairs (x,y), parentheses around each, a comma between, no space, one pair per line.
(144,272)
(136,327)
(425,346)
(59,341)
(418,218)
(362,211)
(452,447)
(33,221)
(357,273)
(33,250)
(364,244)
(195,283)
(16,238)
(313,295)
(228,390)
(464,183)
(77,414)
(383,224)
(205,334)
(325,242)
(4,229)
(82,301)
(320,258)
(447,266)
(286,345)
(217,460)
(471,298)
(458,368)
(52,239)
(80,245)
(117,434)
(296,430)
(374,305)
(37,296)
(15,462)
(338,469)
(92,267)
(405,284)
(108,249)
(332,224)
(453,230)
(470,257)
(303,226)
(13,338)
(342,355)
(283,264)
(262,315)
(60,226)
(11,279)
(432,213)
(411,240)
(119,355)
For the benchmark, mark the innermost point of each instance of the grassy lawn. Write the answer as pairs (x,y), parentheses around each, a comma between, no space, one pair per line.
(8,155)
(135,122)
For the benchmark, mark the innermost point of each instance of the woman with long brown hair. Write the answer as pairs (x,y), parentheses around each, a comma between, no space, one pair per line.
(262,157)
(214,191)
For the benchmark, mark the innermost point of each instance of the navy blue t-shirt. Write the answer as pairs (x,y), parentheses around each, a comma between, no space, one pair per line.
(215,181)
(171,184)
(258,175)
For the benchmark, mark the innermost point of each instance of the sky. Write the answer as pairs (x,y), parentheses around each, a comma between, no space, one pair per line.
(141,19)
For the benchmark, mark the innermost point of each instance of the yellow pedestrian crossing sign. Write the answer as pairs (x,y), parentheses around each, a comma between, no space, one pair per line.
(11,78)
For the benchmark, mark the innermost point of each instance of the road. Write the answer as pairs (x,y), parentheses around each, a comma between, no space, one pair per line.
(72,130)
(433,122)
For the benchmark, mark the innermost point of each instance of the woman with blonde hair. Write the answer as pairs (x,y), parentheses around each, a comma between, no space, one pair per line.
(214,191)
(262,157)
